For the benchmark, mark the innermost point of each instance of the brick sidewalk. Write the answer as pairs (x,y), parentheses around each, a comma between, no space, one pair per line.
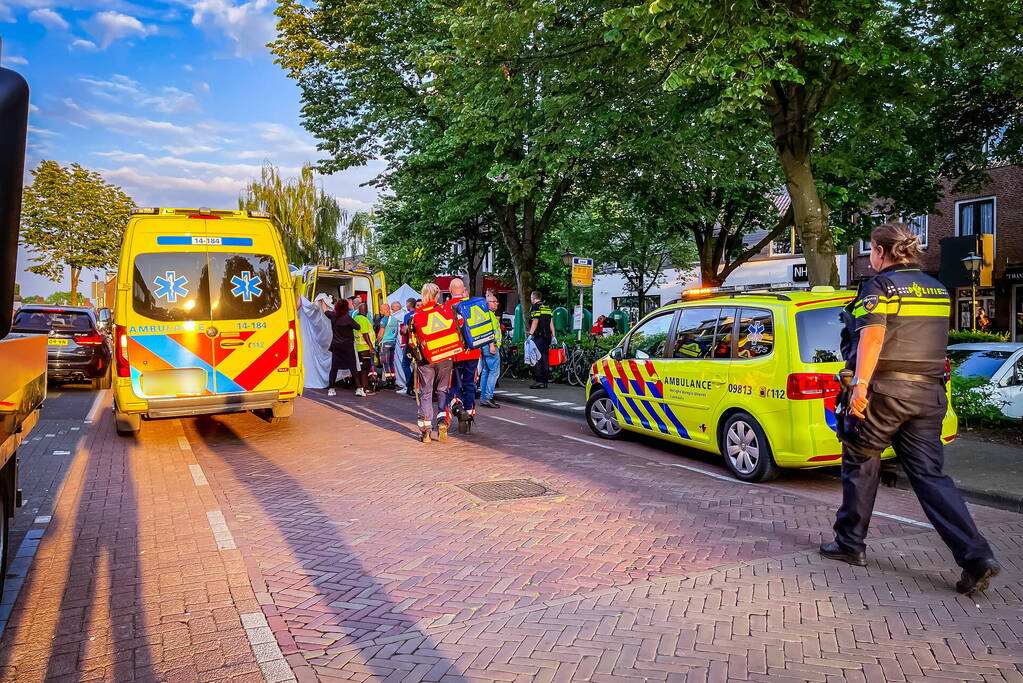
(377,566)
(337,547)
(128,582)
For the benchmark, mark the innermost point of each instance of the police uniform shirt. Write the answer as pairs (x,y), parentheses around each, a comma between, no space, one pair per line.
(541,312)
(913,307)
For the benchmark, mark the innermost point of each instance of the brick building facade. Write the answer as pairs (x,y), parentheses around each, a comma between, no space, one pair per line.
(989,223)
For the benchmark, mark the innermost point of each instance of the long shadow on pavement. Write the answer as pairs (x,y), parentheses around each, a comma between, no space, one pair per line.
(320,547)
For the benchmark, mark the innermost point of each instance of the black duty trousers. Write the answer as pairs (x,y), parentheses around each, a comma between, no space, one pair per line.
(542,369)
(908,416)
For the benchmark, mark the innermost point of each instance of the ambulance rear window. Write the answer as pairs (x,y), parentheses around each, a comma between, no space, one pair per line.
(820,335)
(243,286)
(171,287)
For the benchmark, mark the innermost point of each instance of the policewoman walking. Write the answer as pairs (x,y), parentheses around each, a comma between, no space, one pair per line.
(895,343)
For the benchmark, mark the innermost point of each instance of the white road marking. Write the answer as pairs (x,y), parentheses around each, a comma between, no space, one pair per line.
(543,400)
(590,443)
(579,408)
(225,541)
(563,403)
(96,402)
(183,444)
(264,645)
(504,419)
(42,519)
(506,393)
(906,520)
(62,452)
(198,476)
(715,475)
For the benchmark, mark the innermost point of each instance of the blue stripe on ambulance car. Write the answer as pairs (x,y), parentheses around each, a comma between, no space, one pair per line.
(179,240)
(682,432)
(638,412)
(178,356)
(653,413)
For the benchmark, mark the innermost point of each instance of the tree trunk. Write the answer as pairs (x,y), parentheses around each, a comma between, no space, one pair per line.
(810,211)
(76,273)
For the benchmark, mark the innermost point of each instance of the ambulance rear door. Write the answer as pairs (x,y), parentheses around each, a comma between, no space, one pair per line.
(251,325)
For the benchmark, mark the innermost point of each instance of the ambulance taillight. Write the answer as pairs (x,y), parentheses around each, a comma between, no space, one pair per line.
(292,345)
(121,351)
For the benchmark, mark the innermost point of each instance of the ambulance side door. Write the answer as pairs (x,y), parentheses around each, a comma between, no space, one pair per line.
(636,377)
(698,372)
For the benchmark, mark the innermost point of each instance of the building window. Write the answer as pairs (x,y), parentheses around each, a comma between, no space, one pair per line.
(976,217)
(916,224)
(630,305)
(787,244)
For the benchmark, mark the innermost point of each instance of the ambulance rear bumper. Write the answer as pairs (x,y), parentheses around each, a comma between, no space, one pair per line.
(205,405)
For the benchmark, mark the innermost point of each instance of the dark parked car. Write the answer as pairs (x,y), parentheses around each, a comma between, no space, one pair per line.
(77,350)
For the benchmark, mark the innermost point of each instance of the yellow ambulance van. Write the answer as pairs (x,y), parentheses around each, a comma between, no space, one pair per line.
(205,317)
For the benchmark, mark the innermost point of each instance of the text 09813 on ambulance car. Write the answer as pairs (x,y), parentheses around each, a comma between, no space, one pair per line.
(205,317)
(748,374)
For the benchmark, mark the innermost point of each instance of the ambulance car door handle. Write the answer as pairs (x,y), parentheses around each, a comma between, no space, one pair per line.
(717,381)
(227,343)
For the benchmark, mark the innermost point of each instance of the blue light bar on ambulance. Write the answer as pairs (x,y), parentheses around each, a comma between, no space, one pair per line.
(145,211)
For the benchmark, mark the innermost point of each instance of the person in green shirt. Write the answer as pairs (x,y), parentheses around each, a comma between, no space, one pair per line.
(490,359)
(364,349)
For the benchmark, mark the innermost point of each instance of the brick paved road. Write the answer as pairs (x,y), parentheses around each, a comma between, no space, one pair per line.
(369,562)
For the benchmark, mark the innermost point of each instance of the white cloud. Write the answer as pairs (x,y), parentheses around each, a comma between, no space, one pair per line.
(251,25)
(121,88)
(42,132)
(13,59)
(108,27)
(49,18)
(123,124)
(83,45)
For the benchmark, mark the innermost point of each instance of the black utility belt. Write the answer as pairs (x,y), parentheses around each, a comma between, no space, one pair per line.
(908,377)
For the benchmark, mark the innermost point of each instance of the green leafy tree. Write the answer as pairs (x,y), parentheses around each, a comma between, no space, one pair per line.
(72,217)
(314,228)
(838,82)
(622,238)
(60,299)
(532,96)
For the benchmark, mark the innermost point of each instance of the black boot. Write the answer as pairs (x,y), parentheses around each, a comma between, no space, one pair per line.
(834,551)
(976,578)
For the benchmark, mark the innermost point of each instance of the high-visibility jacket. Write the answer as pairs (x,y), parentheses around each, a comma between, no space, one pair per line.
(469,353)
(434,332)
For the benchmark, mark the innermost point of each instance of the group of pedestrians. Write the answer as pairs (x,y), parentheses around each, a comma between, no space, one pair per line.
(351,343)
(448,385)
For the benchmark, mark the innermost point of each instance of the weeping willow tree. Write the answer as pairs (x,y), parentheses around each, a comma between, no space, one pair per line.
(314,228)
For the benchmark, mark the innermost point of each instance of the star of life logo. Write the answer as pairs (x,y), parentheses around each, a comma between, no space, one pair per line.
(170,286)
(246,286)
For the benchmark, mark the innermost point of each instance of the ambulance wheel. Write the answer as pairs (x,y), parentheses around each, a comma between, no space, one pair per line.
(746,450)
(127,425)
(601,416)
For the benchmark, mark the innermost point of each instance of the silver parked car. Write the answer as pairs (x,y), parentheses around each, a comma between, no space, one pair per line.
(1001,363)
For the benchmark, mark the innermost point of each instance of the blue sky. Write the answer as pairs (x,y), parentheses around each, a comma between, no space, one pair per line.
(177,101)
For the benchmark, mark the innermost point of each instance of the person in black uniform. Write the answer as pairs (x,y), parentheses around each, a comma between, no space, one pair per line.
(895,343)
(541,329)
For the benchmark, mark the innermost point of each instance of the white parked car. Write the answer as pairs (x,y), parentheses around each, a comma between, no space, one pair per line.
(1001,363)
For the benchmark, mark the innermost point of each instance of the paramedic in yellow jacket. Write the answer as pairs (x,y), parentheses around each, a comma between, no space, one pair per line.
(432,379)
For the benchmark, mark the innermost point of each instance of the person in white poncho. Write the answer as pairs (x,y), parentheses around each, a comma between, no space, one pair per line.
(314,327)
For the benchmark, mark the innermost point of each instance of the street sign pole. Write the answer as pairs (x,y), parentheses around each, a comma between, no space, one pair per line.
(582,276)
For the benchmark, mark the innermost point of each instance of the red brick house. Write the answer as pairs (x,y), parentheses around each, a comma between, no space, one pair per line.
(989,223)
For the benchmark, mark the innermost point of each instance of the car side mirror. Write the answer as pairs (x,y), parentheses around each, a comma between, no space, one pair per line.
(616,353)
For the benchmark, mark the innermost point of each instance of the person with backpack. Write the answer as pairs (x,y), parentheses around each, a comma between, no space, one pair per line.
(434,341)
(462,395)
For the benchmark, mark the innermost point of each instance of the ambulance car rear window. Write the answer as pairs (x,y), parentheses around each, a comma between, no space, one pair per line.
(820,335)
(171,286)
(243,286)
(36,320)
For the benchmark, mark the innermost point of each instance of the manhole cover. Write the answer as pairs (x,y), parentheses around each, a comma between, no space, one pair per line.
(507,489)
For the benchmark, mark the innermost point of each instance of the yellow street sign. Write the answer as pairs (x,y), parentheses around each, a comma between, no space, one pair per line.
(582,272)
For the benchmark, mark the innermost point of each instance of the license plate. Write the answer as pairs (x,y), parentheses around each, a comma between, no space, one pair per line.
(57,342)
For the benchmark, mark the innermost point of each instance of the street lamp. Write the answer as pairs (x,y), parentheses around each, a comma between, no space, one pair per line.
(566,258)
(973,265)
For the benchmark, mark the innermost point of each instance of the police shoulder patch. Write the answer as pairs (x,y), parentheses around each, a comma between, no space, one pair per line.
(870,302)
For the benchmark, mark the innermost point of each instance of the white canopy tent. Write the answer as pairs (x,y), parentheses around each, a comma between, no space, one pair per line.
(402,294)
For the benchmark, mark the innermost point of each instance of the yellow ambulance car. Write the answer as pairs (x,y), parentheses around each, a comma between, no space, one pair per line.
(750,375)
(205,317)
